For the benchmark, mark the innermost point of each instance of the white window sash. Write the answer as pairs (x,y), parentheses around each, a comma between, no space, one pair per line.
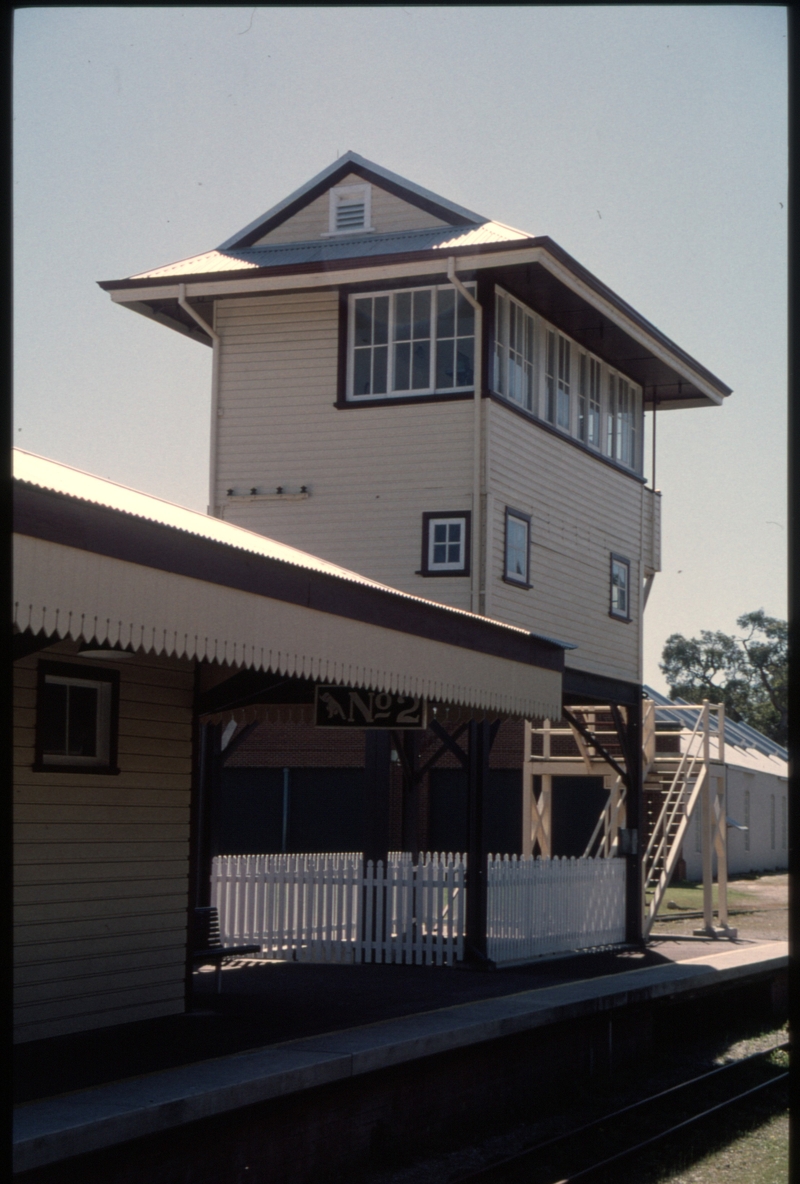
(392,342)
(447,564)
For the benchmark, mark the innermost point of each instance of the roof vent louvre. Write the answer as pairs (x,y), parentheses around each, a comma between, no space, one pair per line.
(350,214)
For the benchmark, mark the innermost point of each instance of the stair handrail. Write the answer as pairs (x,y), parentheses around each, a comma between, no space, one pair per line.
(651,910)
(677,776)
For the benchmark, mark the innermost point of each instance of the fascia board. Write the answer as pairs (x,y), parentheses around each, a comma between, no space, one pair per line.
(434,267)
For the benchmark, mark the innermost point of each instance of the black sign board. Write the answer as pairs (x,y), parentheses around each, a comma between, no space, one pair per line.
(348,707)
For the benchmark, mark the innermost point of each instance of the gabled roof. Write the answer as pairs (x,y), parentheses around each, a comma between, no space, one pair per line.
(351,162)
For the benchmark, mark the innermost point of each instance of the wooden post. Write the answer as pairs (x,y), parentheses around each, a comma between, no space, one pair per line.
(543,805)
(377,772)
(411,794)
(527,790)
(721,845)
(706,821)
(478,775)
(634,816)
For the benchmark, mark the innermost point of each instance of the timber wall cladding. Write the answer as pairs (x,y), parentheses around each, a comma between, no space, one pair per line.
(581,510)
(101,863)
(389,214)
(371,471)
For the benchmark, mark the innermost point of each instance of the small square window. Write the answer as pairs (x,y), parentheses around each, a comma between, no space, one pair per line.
(517,549)
(445,544)
(620,588)
(76,719)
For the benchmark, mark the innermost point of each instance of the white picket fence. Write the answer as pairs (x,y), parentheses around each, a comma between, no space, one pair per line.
(545,906)
(324,908)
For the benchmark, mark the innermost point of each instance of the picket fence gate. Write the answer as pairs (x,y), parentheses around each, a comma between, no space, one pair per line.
(546,906)
(327,908)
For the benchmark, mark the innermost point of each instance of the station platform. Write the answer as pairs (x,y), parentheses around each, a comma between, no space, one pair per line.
(314,1036)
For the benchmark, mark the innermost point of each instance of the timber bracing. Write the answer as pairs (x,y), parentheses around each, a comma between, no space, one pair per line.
(588,742)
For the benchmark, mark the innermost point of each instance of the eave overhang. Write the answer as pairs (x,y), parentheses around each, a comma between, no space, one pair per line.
(85,570)
(566,293)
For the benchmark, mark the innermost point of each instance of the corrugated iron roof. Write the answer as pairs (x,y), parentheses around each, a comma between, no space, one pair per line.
(64,479)
(737,735)
(326,250)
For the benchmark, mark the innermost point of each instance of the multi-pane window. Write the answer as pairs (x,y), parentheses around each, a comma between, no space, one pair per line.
(589,401)
(74,717)
(515,336)
(620,588)
(623,413)
(411,342)
(445,544)
(518,547)
(557,380)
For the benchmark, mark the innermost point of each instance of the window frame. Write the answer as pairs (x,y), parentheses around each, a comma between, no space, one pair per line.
(335,200)
(525,519)
(434,516)
(432,391)
(626,563)
(572,391)
(510,313)
(75,675)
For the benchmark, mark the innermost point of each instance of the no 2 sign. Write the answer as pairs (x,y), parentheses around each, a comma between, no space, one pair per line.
(347,707)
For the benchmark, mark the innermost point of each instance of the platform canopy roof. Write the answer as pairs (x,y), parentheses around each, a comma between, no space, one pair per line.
(97,562)
(257,260)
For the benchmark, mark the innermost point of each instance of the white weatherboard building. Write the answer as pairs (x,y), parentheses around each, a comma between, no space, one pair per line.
(455,408)
(447,404)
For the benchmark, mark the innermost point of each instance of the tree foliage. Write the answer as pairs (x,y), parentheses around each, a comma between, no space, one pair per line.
(748,673)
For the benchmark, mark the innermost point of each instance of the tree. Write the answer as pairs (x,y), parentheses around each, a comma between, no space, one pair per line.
(747,673)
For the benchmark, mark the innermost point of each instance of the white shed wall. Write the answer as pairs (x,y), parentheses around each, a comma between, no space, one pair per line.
(767,852)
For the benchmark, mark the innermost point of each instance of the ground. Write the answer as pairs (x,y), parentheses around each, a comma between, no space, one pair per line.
(758,906)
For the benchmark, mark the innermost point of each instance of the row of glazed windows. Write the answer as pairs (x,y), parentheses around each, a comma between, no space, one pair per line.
(421,341)
(549,375)
(445,552)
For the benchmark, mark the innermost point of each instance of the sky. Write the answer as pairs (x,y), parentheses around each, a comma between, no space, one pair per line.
(648,142)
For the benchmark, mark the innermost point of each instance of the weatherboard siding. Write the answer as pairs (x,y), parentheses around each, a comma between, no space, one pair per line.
(389,213)
(581,511)
(371,472)
(101,862)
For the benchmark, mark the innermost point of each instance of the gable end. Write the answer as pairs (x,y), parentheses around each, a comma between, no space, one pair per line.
(348,168)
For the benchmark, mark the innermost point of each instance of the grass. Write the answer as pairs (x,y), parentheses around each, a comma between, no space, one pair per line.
(742,1146)
(689,895)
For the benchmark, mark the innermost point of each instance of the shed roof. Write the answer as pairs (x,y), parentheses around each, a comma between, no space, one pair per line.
(98,561)
(750,746)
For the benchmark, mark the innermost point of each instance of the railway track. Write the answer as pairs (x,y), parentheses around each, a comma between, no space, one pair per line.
(585,1152)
